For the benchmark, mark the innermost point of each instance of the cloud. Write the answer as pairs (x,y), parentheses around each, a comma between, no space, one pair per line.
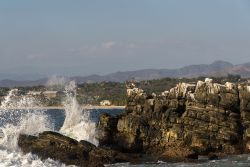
(34,56)
(108,45)
(103,48)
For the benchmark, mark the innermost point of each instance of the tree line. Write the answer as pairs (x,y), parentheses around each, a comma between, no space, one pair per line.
(115,92)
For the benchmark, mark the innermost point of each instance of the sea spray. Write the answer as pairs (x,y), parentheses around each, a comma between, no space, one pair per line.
(56,81)
(30,123)
(19,114)
(15,120)
(78,123)
(14,101)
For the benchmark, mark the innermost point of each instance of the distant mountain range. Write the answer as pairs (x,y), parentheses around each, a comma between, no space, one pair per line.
(217,68)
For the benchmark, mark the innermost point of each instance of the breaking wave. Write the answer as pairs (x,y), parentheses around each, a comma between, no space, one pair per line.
(22,115)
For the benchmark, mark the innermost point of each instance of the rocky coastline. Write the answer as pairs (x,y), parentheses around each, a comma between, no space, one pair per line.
(188,121)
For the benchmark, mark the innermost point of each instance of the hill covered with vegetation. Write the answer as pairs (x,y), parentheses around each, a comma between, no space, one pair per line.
(115,92)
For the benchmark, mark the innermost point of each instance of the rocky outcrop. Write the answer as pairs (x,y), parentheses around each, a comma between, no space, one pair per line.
(188,120)
(69,151)
(183,123)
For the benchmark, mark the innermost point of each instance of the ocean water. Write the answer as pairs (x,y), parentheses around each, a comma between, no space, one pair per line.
(72,121)
(231,161)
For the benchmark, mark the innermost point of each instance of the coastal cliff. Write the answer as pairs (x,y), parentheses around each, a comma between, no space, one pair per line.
(205,118)
(181,124)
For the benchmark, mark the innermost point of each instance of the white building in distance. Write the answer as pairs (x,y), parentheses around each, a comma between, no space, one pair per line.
(105,103)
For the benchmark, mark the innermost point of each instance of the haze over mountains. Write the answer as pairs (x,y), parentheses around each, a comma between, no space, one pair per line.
(217,68)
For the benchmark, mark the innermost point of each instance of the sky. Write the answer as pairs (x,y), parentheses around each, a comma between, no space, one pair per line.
(83,37)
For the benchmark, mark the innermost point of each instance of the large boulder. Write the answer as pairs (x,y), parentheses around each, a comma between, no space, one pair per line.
(69,151)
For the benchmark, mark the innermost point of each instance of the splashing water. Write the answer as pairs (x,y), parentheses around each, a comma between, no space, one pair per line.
(15,120)
(21,115)
(24,126)
(56,80)
(78,123)
(15,101)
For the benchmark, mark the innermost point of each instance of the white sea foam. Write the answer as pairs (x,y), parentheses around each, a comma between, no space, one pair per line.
(17,159)
(16,121)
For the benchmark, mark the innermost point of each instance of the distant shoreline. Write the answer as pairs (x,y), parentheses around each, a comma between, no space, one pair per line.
(61,107)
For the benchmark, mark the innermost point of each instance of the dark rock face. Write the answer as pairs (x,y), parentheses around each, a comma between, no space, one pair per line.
(186,121)
(106,126)
(69,151)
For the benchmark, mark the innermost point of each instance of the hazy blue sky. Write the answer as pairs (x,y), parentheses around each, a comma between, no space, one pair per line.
(82,37)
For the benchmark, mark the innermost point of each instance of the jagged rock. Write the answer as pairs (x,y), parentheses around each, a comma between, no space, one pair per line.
(189,120)
(69,151)
(205,118)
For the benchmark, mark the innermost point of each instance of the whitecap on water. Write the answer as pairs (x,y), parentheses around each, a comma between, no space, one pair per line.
(14,158)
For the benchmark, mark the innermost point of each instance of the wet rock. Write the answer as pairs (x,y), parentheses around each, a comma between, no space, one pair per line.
(69,151)
(106,156)
(213,157)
